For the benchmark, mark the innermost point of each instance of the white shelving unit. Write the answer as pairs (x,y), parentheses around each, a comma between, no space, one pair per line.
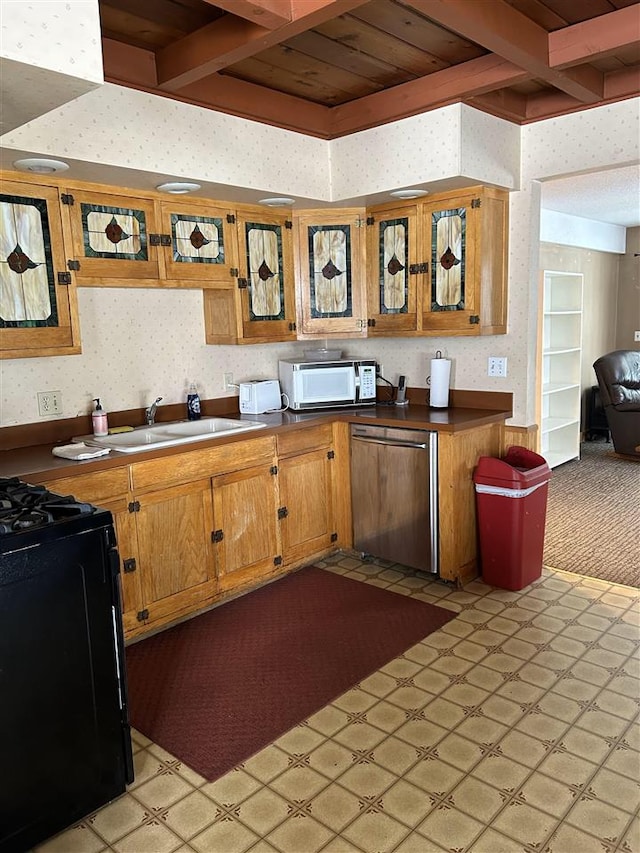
(561,366)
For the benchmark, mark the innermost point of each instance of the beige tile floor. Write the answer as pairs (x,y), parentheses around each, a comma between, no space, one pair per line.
(513,728)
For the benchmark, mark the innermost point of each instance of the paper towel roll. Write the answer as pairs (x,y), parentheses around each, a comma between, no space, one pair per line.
(439,384)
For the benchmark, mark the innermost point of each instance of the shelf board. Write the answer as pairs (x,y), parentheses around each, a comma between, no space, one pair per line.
(554,387)
(556,457)
(559,350)
(553,313)
(552,424)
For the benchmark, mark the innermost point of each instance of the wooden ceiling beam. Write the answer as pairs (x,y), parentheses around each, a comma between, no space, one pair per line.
(504,103)
(508,33)
(128,65)
(267,13)
(257,103)
(622,84)
(597,37)
(459,82)
(231,39)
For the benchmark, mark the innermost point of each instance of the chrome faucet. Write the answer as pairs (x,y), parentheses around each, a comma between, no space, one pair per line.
(150,412)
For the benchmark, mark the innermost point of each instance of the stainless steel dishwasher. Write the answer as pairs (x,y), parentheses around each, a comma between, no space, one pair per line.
(394,492)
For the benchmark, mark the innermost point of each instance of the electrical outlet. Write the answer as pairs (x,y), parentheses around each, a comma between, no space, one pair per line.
(496,366)
(636,337)
(379,369)
(49,403)
(228,381)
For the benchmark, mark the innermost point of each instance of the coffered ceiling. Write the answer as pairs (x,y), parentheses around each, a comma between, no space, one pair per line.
(332,67)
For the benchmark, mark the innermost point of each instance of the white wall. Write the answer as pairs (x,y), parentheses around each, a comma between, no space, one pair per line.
(569,230)
(50,53)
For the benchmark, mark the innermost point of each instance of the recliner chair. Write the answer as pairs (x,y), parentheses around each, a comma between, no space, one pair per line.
(618,375)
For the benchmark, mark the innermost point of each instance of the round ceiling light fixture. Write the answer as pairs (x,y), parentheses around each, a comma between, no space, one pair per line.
(283,201)
(41,165)
(178,187)
(410,193)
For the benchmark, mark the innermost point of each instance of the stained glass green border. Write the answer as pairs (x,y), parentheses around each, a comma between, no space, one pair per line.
(139,215)
(386,223)
(52,320)
(348,312)
(178,257)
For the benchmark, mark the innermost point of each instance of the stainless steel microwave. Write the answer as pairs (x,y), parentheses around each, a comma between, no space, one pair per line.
(327,384)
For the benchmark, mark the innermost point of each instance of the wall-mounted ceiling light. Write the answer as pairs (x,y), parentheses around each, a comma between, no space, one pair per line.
(410,193)
(41,165)
(277,202)
(178,187)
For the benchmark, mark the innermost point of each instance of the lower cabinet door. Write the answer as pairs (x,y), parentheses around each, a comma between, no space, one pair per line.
(305,495)
(246,535)
(177,569)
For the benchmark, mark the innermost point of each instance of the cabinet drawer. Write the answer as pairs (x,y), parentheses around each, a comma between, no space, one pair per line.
(195,464)
(93,487)
(300,440)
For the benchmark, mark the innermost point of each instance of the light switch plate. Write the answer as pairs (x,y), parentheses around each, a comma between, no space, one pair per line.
(636,337)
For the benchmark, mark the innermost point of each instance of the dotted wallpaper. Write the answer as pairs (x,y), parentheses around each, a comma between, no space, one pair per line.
(421,148)
(57,35)
(124,127)
(489,149)
(138,344)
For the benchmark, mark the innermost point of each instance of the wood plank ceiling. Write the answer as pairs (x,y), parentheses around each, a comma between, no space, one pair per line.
(332,67)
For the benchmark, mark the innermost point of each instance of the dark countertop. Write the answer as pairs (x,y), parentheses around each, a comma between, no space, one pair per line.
(37,463)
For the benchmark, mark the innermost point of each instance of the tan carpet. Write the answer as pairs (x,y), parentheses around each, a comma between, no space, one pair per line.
(593,516)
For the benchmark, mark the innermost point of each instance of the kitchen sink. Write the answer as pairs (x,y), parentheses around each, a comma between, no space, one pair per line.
(169,434)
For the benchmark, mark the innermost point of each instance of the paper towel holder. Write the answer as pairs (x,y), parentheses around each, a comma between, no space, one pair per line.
(444,405)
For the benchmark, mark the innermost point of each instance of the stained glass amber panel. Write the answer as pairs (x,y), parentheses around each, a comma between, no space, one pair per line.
(394,266)
(448,260)
(330,270)
(27,284)
(264,266)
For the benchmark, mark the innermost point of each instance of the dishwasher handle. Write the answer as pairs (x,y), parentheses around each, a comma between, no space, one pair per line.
(392,441)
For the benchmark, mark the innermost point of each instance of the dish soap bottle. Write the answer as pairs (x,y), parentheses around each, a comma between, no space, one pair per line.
(99,419)
(193,403)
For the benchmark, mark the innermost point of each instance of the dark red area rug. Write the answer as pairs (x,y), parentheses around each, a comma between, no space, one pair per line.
(216,689)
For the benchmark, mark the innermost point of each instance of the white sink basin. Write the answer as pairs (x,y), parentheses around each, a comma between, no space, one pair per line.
(169,434)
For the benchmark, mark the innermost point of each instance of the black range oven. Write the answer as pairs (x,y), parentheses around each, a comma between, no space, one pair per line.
(64,732)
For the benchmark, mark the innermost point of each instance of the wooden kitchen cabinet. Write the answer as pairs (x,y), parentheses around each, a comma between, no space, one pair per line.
(38,302)
(330,273)
(111,241)
(306,460)
(176,562)
(259,305)
(439,266)
(465,286)
(246,536)
(110,490)
(198,240)
(395,273)
(458,455)
(147,241)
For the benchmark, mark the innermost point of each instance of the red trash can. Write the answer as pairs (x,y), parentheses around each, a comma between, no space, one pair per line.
(511,503)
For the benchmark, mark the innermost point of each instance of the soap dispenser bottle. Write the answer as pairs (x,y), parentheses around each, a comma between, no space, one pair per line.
(193,403)
(99,419)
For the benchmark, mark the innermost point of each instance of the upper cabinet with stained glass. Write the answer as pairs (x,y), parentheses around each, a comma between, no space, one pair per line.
(466,235)
(199,242)
(393,261)
(38,308)
(330,273)
(258,306)
(111,237)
